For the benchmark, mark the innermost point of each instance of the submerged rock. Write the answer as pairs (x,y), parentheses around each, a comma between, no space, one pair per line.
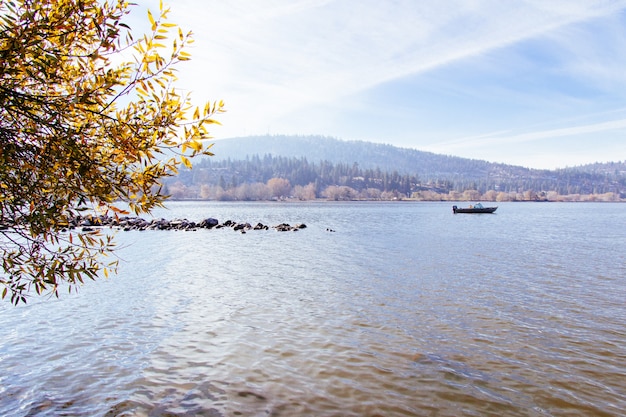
(90,223)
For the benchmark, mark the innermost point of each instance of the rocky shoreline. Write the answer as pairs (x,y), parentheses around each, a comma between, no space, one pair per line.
(90,223)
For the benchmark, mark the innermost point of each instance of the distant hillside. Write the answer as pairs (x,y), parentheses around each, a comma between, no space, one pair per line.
(367,155)
(365,167)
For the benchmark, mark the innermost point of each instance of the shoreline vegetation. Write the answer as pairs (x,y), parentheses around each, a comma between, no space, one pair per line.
(582,199)
(263,168)
(266,192)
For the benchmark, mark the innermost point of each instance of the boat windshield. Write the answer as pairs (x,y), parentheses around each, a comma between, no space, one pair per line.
(478,205)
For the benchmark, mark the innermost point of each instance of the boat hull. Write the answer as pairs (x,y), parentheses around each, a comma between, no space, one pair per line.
(455,210)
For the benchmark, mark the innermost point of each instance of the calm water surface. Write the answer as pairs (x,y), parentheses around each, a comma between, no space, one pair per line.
(403,310)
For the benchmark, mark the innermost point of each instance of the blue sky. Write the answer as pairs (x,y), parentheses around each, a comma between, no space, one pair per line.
(535,83)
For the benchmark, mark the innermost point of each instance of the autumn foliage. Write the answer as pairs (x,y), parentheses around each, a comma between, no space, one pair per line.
(89,120)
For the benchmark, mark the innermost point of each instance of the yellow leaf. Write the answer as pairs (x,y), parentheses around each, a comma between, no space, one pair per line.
(186,161)
(152,22)
(196,146)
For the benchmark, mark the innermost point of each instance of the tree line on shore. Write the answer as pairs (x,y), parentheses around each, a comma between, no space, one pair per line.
(271,178)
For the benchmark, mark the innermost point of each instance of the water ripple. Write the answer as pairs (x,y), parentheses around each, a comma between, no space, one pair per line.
(401,312)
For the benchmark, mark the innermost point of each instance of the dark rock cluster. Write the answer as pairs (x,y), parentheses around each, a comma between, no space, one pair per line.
(89,223)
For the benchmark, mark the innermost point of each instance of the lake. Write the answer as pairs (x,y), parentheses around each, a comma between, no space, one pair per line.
(375,309)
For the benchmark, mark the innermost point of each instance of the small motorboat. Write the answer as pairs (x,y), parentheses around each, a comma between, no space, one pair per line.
(476,208)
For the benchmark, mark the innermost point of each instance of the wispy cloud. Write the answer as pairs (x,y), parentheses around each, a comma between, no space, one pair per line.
(338,47)
(504,138)
(275,62)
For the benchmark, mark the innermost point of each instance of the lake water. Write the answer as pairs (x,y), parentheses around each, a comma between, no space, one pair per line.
(403,310)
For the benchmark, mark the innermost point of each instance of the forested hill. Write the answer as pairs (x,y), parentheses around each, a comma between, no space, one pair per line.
(365,167)
(426,165)
(367,155)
